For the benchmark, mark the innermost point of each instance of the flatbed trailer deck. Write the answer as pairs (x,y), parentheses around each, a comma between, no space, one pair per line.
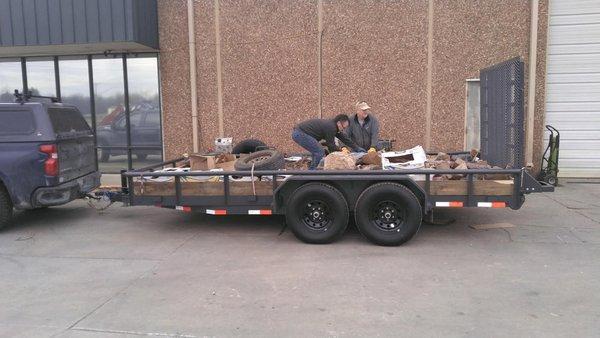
(388,205)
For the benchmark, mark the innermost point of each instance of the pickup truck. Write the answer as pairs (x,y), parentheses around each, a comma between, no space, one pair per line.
(47,156)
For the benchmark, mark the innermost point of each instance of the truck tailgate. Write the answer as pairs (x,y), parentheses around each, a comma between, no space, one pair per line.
(76,157)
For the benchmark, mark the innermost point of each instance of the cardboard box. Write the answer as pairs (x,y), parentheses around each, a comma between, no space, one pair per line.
(208,162)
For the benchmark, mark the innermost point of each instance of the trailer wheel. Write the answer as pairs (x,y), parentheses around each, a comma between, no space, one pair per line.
(6,207)
(388,214)
(317,213)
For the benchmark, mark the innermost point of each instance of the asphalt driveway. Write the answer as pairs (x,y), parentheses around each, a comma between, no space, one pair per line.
(73,272)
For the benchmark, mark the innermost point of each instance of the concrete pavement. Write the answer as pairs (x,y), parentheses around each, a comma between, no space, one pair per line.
(72,272)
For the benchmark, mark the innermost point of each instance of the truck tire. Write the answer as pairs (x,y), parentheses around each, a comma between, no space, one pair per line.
(104,155)
(262,160)
(248,146)
(388,214)
(6,207)
(317,213)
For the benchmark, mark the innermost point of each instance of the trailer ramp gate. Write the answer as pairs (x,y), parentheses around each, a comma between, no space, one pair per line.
(502,112)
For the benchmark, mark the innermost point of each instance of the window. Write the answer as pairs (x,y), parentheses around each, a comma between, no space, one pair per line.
(75,84)
(472,127)
(16,122)
(67,121)
(100,99)
(10,79)
(40,76)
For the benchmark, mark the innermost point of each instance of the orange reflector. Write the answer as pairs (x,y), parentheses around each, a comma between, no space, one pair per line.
(451,204)
(260,212)
(216,212)
(491,204)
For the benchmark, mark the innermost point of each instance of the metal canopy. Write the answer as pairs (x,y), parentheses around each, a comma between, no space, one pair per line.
(77,27)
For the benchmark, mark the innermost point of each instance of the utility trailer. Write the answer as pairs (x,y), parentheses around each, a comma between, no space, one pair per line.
(388,206)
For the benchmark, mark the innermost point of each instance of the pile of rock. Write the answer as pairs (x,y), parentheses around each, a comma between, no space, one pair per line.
(443,161)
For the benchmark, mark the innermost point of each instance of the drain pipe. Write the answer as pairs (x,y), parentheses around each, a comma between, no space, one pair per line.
(193,92)
(533,37)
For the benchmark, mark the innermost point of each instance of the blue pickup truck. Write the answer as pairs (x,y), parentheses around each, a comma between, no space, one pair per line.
(47,156)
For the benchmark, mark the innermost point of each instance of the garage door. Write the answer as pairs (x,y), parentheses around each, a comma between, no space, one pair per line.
(573,84)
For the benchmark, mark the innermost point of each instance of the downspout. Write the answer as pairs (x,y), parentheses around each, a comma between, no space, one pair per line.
(320,56)
(533,36)
(193,92)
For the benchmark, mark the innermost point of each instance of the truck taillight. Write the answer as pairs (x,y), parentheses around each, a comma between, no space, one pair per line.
(51,163)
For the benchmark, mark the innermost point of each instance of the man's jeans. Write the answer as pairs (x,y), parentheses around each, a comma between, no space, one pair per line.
(311,144)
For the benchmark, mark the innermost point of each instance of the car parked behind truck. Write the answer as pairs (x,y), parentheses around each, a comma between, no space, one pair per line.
(47,156)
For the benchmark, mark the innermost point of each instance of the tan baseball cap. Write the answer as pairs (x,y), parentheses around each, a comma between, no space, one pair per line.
(362,105)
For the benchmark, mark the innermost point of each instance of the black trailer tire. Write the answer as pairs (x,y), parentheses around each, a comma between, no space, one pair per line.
(262,160)
(6,207)
(317,213)
(248,146)
(388,214)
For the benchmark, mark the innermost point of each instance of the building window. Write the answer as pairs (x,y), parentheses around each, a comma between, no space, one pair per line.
(11,78)
(144,103)
(75,84)
(41,78)
(472,111)
(117,94)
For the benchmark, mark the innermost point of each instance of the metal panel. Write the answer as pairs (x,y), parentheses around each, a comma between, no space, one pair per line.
(133,24)
(573,84)
(502,127)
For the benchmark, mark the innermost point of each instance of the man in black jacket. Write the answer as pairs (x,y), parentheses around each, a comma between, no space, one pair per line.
(309,133)
(364,128)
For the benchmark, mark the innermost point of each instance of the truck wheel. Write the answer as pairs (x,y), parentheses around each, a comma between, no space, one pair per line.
(104,155)
(317,213)
(388,214)
(6,207)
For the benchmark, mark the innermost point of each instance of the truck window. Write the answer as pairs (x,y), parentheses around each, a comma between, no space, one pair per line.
(67,120)
(16,122)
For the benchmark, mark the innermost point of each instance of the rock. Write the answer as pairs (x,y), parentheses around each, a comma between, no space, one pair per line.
(339,161)
(371,158)
(442,157)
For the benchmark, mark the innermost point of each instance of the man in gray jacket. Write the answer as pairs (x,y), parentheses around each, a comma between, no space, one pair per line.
(364,128)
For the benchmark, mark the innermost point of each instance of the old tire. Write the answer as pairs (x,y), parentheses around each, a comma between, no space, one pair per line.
(317,213)
(262,160)
(388,214)
(248,146)
(6,207)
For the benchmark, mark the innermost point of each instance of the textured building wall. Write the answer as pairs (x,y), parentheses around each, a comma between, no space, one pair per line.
(371,50)
(174,77)
(377,51)
(269,65)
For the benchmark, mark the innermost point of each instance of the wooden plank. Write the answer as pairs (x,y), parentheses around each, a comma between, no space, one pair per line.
(195,188)
(203,188)
(459,187)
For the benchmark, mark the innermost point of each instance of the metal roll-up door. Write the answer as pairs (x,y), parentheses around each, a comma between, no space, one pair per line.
(573,84)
